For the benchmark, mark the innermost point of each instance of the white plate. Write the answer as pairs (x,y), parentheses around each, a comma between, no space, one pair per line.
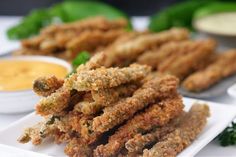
(216,123)
(232,91)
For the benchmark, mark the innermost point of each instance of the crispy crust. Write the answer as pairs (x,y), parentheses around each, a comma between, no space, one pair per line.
(57,102)
(170,49)
(99,23)
(33,134)
(95,62)
(50,127)
(104,97)
(45,86)
(156,115)
(152,90)
(183,136)
(139,141)
(76,148)
(92,40)
(32,43)
(185,65)
(102,78)
(67,40)
(122,53)
(223,67)
(54,103)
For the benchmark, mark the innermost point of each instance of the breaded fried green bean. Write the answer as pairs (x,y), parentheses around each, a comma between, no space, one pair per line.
(151,90)
(45,86)
(223,67)
(183,136)
(156,115)
(130,50)
(139,141)
(188,63)
(104,97)
(102,78)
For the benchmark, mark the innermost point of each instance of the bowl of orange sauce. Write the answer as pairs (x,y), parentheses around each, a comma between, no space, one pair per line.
(16,79)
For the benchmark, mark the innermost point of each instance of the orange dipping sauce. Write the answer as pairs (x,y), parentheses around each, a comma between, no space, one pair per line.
(19,74)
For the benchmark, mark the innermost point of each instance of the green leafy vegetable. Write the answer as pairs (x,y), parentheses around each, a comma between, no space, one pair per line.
(80,10)
(81,58)
(228,136)
(213,8)
(63,12)
(30,25)
(179,15)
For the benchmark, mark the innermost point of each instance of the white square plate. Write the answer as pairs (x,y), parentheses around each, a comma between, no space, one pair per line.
(221,116)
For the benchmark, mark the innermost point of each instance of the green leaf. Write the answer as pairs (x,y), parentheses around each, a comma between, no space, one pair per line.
(68,11)
(179,15)
(214,8)
(81,10)
(81,58)
(29,25)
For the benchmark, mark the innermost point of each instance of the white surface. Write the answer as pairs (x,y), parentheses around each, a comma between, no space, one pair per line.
(7,119)
(232,91)
(9,151)
(140,23)
(5,45)
(216,123)
(24,100)
(211,150)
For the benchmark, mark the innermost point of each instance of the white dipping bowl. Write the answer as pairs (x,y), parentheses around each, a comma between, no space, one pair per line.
(25,100)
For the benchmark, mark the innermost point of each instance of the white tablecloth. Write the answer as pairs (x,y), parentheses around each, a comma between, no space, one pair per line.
(211,150)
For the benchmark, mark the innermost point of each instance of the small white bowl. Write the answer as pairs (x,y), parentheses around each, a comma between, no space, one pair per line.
(218,28)
(25,100)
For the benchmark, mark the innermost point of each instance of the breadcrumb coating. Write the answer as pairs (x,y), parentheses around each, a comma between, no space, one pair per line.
(102,78)
(92,40)
(57,102)
(173,48)
(93,79)
(104,97)
(93,23)
(224,66)
(185,65)
(50,127)
(139,141)
(151,90)
(95,62)
(45,86)
(156,115)
(33,134)
(183,136)
(82,124)
(54,103)
(32,43)
(68,39)
(76,148)
(130,50)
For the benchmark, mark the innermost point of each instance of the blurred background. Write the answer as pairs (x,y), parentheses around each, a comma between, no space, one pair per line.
(131,7)
(64,30)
